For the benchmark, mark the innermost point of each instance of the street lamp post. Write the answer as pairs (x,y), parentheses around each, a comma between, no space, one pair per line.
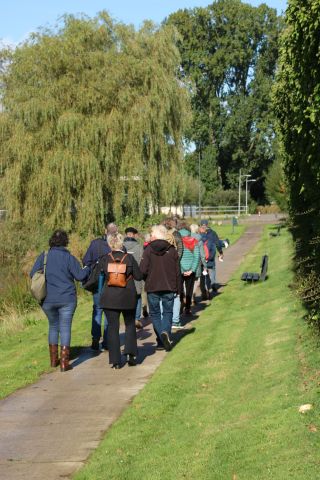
(239,199)
(247,181)
(199,166)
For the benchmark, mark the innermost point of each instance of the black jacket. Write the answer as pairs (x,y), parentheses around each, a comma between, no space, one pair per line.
(160,267)
(117,298)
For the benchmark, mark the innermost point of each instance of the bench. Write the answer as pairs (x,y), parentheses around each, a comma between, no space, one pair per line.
(255,277)
(277,233)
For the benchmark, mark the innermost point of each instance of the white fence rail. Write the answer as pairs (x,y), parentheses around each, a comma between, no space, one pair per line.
(194,211)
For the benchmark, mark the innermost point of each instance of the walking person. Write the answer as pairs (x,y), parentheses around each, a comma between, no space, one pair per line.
(119,296)
(133,247)
(202,265)
(175,239)
(189,266)
(161,271)
(211,243)
(59,305)
(97,249)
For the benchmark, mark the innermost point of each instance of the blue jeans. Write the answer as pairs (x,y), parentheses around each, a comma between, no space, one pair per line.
(60,319)
(161,319)
(206,281)
(176,309)
(97,312)
(138,308)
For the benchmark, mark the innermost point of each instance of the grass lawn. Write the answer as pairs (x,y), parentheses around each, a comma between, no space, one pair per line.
(24,355)
(224,403)
(225,231)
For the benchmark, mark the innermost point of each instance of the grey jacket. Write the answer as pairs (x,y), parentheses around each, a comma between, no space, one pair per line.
(135,249)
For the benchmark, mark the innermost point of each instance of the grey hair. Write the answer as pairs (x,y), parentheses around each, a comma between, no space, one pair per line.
(115,241)
(112,229)
(159,232)
(194,228)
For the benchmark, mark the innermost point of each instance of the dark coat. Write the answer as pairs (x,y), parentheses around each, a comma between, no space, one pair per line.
(96,250)
(61,271)
(213,244)
(117,298)
(160,267)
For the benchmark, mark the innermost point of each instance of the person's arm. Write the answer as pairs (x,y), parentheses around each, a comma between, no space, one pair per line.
(136,272)
(202,254)
(87,259)
(196,258)
(217,242)
(76,270)
(145,262)
(38,264)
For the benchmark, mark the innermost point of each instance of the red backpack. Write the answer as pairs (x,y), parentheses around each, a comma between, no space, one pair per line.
(206,250)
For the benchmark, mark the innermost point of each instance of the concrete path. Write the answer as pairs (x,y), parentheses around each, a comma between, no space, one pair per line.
(48,430)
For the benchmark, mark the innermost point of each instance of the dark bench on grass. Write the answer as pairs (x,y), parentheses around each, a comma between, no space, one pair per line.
(277,233)
(255,277)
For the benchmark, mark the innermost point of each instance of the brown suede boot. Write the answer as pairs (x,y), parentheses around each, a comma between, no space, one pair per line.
(65,355)
(54,360)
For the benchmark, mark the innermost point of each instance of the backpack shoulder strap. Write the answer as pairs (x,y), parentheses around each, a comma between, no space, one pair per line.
(124,256)
(111,256)
(45,261)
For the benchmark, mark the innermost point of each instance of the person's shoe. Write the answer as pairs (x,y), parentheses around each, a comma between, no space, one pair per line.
(138,325)
(104,347)
(187,311)
(132,360)
(54,359)
(166,341)
(205,295)
(159,346)
(65,357)
(116,366)
(95,344)
(177,326)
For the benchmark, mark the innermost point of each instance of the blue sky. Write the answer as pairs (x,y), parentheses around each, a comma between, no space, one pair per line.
(20,17)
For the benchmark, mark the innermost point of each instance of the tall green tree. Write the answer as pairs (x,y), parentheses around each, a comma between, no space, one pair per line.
(93,123)
(297,105)
(229,52)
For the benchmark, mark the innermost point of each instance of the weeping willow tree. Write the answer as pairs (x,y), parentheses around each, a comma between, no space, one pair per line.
(92,123)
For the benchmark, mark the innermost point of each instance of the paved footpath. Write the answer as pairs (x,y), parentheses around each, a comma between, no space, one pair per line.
(48,430)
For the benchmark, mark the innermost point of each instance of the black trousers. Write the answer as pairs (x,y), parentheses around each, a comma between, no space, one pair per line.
(130,346)
(187,284)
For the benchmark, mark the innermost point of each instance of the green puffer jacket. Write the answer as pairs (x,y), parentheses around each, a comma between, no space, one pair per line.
(190,259)
(203,262)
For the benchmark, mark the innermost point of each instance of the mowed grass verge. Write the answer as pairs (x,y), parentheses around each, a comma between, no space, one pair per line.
(224,403)
(24,355)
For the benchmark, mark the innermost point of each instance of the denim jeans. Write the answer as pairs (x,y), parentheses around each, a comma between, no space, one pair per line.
(176,309)
(60,319)
(206,281)
(97,312)
(138,308)
(161,321)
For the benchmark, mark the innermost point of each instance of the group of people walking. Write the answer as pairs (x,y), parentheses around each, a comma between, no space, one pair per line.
(159,276)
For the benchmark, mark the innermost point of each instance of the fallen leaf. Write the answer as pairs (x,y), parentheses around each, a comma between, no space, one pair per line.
(312,428)
(305,408)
